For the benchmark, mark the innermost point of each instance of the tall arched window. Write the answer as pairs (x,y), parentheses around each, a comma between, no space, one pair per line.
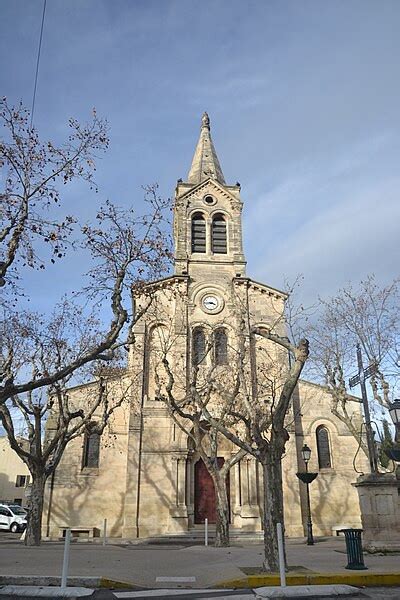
(218,235)
(91,448)
(198,233)
(198,346)
(324,453)
(220,347)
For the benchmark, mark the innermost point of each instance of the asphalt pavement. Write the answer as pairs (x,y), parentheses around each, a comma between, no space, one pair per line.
(186,570)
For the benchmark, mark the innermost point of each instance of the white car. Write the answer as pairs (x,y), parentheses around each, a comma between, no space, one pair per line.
(12,517)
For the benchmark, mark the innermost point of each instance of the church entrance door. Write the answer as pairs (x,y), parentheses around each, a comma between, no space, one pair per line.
(204,495)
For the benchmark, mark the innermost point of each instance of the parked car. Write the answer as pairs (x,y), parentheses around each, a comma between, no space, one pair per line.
(12,517)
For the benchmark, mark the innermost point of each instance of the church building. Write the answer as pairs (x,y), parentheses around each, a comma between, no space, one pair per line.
(144,475)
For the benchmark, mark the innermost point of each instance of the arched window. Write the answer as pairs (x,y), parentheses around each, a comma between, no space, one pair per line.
(199,346)
(324,453)
(218,235)
(91,448)
(198,233)
(220,347)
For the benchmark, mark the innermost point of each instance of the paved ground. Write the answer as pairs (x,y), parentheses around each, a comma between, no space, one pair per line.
(166,566)
(199,594)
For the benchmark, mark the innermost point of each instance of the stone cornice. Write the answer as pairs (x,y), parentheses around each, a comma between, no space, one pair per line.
(164,282)
(182,201)
(251,283)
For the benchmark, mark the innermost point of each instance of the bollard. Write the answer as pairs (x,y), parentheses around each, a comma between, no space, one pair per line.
(355,558)
(64,574)
(105,532)
(206,531)
(282,572)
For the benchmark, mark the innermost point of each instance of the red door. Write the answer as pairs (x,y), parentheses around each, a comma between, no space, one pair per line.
(204,495)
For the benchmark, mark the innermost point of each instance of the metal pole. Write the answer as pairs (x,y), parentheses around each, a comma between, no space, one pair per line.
(105,532)
(281,554)
(66,558)
(373,461)
(310,538)
(206,531)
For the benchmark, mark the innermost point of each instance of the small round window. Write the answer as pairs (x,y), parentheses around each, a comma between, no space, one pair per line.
(209,200)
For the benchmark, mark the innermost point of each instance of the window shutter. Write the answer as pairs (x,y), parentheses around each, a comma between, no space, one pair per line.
(219,235)
(198,233)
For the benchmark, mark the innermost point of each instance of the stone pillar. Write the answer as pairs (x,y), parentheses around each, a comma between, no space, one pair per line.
(236,496)
(250,511)
(178,511)
(380,510)
(190,488)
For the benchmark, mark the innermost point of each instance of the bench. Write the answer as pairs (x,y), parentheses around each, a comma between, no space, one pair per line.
(77,532)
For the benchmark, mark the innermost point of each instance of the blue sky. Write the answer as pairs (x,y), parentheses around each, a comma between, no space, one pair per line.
(304,104)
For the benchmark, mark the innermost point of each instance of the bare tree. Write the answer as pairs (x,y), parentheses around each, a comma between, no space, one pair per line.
(39,354)
(50,419)
(215,387)
(32,172)
(247,402)
(261,409)
(368,315)
(127,249)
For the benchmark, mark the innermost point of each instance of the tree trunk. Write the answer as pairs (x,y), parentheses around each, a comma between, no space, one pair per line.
(34,528)
(222,509)
(273,511)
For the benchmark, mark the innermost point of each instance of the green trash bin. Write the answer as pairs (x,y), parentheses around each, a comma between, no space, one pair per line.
(355,558)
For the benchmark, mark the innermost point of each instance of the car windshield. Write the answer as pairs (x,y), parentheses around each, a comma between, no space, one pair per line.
(17,510)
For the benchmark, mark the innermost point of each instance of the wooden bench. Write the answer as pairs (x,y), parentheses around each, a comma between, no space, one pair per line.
(77,532)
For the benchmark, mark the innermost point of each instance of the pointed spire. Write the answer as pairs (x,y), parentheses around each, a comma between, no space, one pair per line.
(205,163)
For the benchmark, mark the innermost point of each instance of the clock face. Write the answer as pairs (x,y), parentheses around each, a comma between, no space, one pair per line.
(211,302)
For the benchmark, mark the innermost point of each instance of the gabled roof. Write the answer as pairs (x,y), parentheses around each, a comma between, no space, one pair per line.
(205,163)
(186,191)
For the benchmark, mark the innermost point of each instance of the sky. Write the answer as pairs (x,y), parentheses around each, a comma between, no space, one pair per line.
(303,98)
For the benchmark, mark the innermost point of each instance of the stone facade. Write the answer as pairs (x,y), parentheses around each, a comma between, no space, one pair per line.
(14,474)
(147,481)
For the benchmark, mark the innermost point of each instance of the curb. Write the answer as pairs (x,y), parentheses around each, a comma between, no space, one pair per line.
(117,585)
(84,582)
(360,579)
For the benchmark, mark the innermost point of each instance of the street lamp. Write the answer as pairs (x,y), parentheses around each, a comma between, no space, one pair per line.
(394,412)
(307,478)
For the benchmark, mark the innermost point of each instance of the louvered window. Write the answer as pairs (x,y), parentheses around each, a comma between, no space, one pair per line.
(220,347)
(219,235)
(91,450)
(198,233)
(199,346)
(324,453)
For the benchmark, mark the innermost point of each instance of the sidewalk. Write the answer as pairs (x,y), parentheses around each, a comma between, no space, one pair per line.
(166,566)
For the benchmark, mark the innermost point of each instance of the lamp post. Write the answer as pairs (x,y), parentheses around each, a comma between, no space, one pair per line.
(307,478)
(394,412)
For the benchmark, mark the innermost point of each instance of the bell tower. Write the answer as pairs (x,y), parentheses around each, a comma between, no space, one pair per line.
(207,218)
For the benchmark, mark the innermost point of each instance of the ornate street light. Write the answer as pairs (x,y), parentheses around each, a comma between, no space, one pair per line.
(307,478)
(394,412)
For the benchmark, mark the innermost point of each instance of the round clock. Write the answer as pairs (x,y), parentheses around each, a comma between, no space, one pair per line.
(211,303)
